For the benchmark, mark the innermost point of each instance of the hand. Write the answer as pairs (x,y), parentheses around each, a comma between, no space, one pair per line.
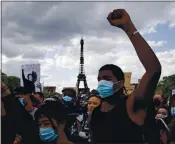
(58,130)
(4,90)
(121,19)
(23,66)
(3,112)
(2,85)
(163,137)
(38,85)
(29,105)
(18,140)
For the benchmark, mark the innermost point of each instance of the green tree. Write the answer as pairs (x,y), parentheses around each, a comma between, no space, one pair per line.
(4,78)
(11,82)
(166,85)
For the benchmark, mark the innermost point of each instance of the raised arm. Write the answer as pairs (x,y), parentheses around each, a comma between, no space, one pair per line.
(148,83)
(23,76)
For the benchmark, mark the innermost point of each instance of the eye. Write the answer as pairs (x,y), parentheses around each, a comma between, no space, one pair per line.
(47,124)
(89,103)
(95,103)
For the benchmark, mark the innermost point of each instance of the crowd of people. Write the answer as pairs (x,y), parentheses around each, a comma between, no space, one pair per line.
(32,118)
(108,116)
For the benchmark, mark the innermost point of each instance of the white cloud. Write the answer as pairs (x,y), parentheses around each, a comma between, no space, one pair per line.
(156,44)
(50,34)
(171,15)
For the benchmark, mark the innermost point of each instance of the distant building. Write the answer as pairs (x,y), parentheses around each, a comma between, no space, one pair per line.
(130,87)
(49,91)
(127,79)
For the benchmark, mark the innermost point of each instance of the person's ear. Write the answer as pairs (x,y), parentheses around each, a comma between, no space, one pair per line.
(54,123)
(118,85)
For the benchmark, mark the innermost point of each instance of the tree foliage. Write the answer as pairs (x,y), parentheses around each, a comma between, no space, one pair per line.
(166,85)
(11,82)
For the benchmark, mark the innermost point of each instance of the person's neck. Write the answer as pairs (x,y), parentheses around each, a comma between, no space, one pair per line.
(106,106)
(62,138)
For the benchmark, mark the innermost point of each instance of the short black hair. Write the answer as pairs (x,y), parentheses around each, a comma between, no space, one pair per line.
(27,90)
(19,90)
(40,94)
(52,109)
(117,71)
(71,90)
(94,96)
(94,93)
(165,107)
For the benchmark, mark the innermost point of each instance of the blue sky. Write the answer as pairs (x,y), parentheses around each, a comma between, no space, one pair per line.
(45,33)
(164,32)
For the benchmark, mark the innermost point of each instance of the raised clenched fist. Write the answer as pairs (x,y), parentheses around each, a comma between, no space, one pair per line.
(121,19)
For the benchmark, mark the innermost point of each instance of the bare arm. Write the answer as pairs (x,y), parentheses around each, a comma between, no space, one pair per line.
(145,91)
(148,83)
(23,76)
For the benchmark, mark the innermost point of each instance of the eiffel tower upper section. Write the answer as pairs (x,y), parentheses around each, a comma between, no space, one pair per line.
(81,75)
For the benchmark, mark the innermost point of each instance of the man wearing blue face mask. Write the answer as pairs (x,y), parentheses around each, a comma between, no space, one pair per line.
(119,119)
(20,94)
(70,99)
(74,109)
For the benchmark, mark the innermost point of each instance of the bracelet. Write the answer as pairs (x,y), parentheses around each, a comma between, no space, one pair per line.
(135,33)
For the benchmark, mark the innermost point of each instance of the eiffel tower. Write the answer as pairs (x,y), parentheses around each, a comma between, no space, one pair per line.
(81,76)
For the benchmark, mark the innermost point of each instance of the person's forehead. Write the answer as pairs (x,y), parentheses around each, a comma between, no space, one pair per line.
(162,110)
(105,73)
(94,99)
(43,118)
(157,97)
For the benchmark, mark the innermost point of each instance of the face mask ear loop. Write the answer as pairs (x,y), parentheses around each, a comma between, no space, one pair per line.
(116,89)
(164,123)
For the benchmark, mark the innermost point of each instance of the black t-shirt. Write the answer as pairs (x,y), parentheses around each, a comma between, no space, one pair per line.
(115,126)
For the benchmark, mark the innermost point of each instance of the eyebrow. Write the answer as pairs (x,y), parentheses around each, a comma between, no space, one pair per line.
(44,121)
(105,76)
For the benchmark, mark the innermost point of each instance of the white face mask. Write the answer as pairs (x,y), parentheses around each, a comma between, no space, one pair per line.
(164,116)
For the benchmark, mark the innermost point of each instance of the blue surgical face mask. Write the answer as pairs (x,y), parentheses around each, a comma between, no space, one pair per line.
(67,98)
(173,111)
(47,134)
(21,100)
(105,88)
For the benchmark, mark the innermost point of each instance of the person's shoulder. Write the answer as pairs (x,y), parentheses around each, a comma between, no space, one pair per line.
(96,112)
